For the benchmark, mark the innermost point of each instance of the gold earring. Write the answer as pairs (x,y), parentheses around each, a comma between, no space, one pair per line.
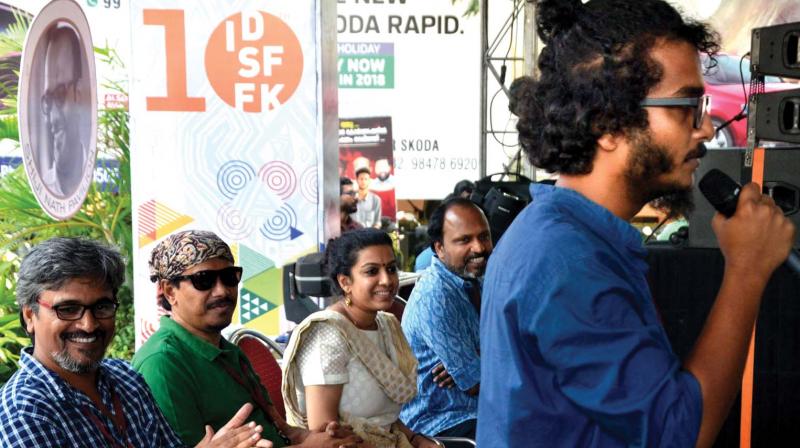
(347,300)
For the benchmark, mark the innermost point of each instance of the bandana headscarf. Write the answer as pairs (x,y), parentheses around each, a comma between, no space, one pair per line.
(182,250)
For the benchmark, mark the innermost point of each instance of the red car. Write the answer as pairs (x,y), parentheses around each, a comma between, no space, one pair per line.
(724,84)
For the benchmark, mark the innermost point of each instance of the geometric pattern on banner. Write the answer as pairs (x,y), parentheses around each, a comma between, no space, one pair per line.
(253,262)
(282,225)
(233,176)
(233,224)
(267,285)
(308,184)
(268,324)
(279,177)
(156,221)
(252,306)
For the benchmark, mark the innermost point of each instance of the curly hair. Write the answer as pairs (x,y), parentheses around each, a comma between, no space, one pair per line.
(341,253)
(595,70)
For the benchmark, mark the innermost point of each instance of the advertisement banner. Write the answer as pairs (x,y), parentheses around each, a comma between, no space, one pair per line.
(418,62)
(365,156)
(225,136)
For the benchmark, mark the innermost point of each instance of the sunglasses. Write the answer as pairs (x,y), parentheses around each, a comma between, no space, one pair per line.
(205,280)
(102,309)
(700,104)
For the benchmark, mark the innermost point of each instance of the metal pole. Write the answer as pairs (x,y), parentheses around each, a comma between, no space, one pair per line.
(530,47)
(484,11)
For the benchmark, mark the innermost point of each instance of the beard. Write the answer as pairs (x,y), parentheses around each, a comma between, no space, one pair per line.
(647,162)
(70,364)
(350,209)
(463,271)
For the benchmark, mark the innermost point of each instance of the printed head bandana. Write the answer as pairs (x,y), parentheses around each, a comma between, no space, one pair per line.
(182,250)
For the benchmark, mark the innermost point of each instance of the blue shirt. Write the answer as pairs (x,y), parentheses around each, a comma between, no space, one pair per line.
(423,260)
(572,350)
(38,408)
(441,325)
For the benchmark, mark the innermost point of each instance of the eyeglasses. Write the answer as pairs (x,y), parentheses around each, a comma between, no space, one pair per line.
(349,193)
(701,105)
(205,280)
(55,96)
(102,309)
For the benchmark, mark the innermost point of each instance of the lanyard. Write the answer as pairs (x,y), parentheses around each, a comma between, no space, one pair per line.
(118,419)
(255,393)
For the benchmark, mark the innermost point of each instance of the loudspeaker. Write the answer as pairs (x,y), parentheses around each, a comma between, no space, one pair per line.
(776,116)
(776,50)
(781,181)
(501,201)
(306,277)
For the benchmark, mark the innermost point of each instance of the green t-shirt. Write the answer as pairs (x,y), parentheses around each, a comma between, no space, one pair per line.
(192,387)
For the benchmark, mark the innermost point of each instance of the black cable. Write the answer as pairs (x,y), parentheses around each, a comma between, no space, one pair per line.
(652,234)
(491,120)
(511,32)
(503,67)
(742,113)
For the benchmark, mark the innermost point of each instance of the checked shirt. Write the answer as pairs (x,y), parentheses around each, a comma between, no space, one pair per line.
(39,409)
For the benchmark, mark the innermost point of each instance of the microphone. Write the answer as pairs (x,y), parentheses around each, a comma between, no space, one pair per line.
(723,194)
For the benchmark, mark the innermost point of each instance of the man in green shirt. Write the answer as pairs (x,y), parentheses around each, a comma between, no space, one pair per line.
(196,376)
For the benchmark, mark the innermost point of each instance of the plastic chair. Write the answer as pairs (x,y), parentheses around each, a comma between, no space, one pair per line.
(398,306)
(261,351)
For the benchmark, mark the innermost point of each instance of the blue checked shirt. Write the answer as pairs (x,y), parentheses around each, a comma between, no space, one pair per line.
(39,409)
(441,325)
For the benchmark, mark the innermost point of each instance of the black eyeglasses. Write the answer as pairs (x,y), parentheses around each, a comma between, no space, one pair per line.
(701,105)
(205,280)
(56,96)
(349,193)
(102,309)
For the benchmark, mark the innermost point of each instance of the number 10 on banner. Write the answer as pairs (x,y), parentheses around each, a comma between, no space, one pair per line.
(253,61)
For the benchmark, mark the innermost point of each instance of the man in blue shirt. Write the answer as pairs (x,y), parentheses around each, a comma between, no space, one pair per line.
(441,323)
(572,350)
(65,393)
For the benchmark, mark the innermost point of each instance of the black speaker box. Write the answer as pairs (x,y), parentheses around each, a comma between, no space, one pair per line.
(501,200)
(306,277)
(781,181)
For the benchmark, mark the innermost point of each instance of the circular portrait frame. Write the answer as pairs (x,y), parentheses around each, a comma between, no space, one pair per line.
(57,108)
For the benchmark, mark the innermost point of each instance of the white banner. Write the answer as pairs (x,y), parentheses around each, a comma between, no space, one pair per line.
(226,136)
(417,61)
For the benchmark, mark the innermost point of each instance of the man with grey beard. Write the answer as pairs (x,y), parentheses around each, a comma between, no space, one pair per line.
(441,322)
(65,393)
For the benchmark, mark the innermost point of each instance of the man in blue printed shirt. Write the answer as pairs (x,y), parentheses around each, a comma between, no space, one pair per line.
(65,393)
(572,350)
(441,323)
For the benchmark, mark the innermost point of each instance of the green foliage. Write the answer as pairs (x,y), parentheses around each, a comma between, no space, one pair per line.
(105,216)
(472,8)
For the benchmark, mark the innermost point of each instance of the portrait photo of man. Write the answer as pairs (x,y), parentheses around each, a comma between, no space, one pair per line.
(61,123)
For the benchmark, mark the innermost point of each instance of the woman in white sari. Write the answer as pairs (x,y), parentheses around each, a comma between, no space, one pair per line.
(351,361)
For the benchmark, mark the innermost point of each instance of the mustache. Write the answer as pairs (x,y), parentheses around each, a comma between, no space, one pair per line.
(224,301)
(478,255)
(699,152)
(99,334)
